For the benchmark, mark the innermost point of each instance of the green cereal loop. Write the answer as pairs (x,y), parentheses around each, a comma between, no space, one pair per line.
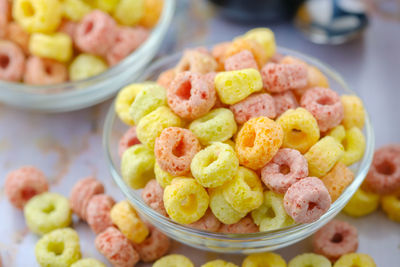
(216,126)
(309,260)
(137,166)
(150,98)
(47,212)
(88,262)
(59,248)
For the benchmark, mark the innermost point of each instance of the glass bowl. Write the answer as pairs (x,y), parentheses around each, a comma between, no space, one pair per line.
(80,94)
(233,243)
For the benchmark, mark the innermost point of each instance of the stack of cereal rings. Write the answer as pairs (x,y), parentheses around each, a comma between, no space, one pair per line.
(240,137)
(54,41)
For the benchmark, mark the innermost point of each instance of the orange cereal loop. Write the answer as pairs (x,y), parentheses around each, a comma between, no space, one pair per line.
(196,60)
(258,141)
(5,15)
(254,47)
(81,194)
(98,212)
(16,34)
(40,71)
(337,180)
(24,183)
(244,226)
(166,77)
(152,12)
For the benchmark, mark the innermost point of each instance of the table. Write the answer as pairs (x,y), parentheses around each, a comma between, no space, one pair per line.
(68,147)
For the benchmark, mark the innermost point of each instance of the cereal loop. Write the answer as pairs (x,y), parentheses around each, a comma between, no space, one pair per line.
(85,66)
(5,14)
(163,178)
(284,101)
(266,38)
(127,140)
(253,46)
(17,35)
(88,262)
(124,100)
(222,209)
(218,263)
(241,60)
(166,77)
(355,259)
(244,226)
(278,78)
(173,260)
(207,223)
(362,203)
(354,112)
(337,180)
(98,212)
(152,13)
(253,106)
(195,61)
(152,195)
(391,205)
(39,71)
(264,259)
(12,61)
(309,260)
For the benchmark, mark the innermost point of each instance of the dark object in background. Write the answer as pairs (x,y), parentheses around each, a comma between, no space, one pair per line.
(258,10)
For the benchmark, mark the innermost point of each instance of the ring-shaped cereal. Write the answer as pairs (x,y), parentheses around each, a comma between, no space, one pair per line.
(208,222)
(185,200)
(218,263)
(354,146)
(124,100)
(174,150)
(163,178)
(337,180)
(258,141)
(307,200)
(286,167)
(152,194)
(85,66)
(300,129)
(81,194)
(244,192)
(241,60)
(244,226)
(98,212)
(214,165)
(42,71)
(13,61)
(354,112)
(271,214)
(173,260)
(355,259)
(24,183)
(127,140)
(264,259)
(196,61)
(339,133)
(309,260)
(266,38)
(47,212)
(362,203)
(255,105)
(222,209)
(166,78)
(58,248)
(278,78)
(325,105)
(88,262)
(391,206)
(284,101)
(335,239)
(240,44)
(216,126)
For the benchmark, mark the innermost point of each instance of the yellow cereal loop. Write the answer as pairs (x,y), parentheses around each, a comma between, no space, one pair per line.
(244,192)
(265,37)
(185,200)
(151,125)
(163,178)
(106,5)
(88,262)
(85,66)
(152,12)
(300,129)
(355,260)
(173,260)
(266,259)
(230,142)
(339,133)
(129,12)
(391,206)
(75,10)
(214,165)
(337,180)
(354,146)
(234,86)
(323,155)
(354,112)
(57,46)
(47,212)
(137,166)
(58,248)
(219,263)
(147,100)
(125,217)
(362,203)
(309,260)
(37,15)
(222,209)
(125,99)
(216,126)
(271,214)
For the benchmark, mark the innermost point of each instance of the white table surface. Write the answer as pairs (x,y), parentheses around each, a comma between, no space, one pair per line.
(68,146)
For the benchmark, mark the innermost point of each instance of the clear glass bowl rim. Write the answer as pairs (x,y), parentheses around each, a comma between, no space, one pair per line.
(246,238)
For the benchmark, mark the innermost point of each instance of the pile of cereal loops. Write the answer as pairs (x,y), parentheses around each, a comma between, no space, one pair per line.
(53,41)
(240,139)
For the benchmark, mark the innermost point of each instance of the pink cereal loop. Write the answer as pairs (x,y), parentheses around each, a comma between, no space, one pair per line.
(335,239)
(98,212)
(244,226)
(190,96)
(82,192)
(384,174)
(307,200)
(196,60)
(5,15)
(116,248)
(68,27)
(278,78)
(174,150)
(325,105)
(152,195)
(253,106)
(17,35)
(287,167)
(276,58)
(39,71)
(12,61)
(96,33)
(241,60)
(284,101)
(24,183)
(207,223)
(127,40)
(154,246)
(127,140)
